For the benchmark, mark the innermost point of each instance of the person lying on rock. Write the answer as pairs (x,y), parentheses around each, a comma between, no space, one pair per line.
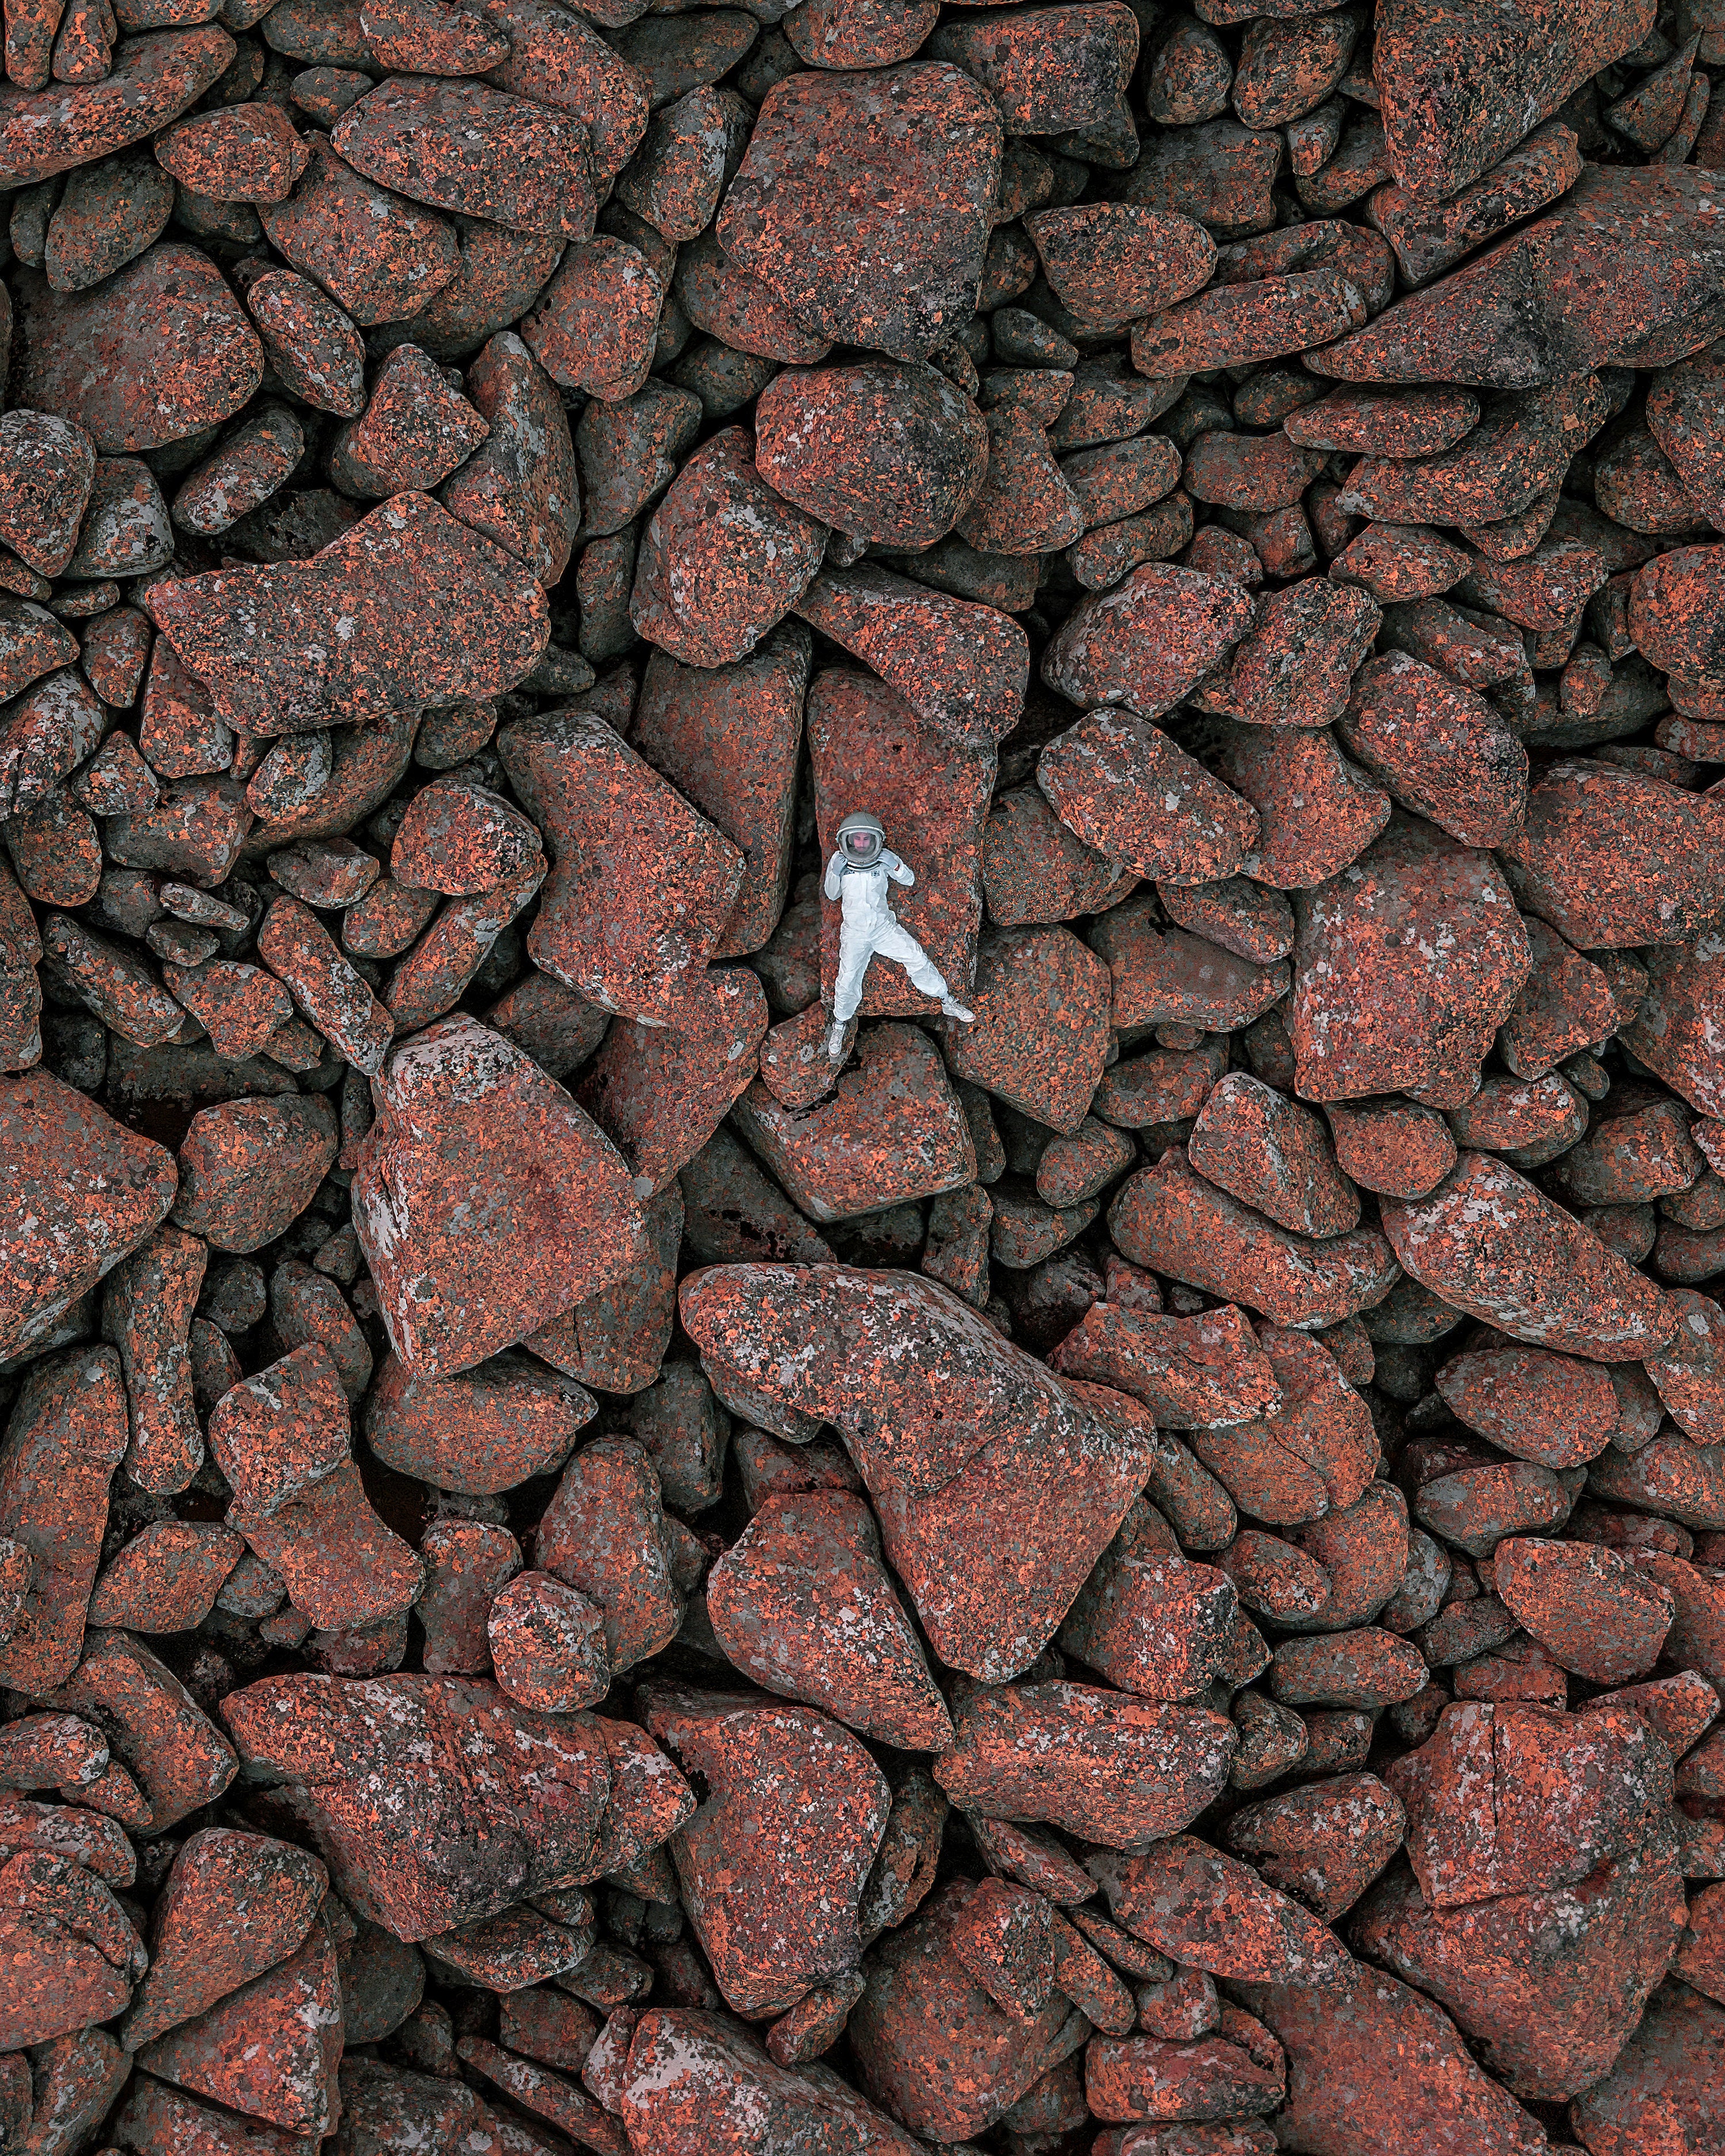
(858,875)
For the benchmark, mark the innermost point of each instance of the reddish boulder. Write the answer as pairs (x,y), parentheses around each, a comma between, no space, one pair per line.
(64,1436)
(1405,967)
(234,1906)
(1131,793)
(1549,1983)
(469,1131)
(438,1801)
(891,1129)
(1207,1911)
(1592,1610)
(803,1604)
(727,738)
(1554,1409)
(1176,1223)
(70,1953)
(641,887)
(1665,2085)
(498,1424)
(81,1192)
(1039,1036)
(1487,1242)
(1567,1793)
(1104,1765)
(694,2082)
(1375,2069)
(437,611)
(1148,641)
(723,559)
(1613,857)
(993,1522)
(605,1534)
(1323,1843)
(160,378)
(864,203)
(773,1866)
(933,2046)
(270,2050)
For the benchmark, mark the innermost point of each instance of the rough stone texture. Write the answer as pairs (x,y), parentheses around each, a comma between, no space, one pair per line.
(821,1815)
(431,1199)
(641,885)
(1405,966)
(803,1604)
(268,641)
(82,1192)
(867,256)
(1490,1243)
(1215,1461)
(65,1434)
(354,1752)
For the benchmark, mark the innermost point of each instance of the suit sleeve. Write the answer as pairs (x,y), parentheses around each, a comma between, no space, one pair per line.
(835,876)
(896,869)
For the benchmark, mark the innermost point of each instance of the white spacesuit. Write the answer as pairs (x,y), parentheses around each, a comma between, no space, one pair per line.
(858,873)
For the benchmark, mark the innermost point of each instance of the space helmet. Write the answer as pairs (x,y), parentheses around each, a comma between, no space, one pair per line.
(861,839)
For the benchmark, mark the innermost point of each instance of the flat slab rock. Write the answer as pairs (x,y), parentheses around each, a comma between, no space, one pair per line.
(408,608)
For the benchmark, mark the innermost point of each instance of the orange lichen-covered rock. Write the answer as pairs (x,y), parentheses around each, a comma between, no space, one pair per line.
(474,1247)
(803,1604)
(1487,1242)
(1114,1768)
(82,1191)
(864,203)
(396,1768)
(773,1865)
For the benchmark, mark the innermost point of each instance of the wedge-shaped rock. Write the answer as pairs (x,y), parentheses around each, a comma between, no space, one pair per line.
(269,2049)
(1405,965)
(641,886)
(932,2046)
(485,1201)
(1461,87)
(1614,858)
(1211,1912)
(78,1193)
(65,1436)
(1626,271)
(1104,1765)
(152,79)
(802,1604)
(960,666)
(773,1864)
(1505,1799)
(234,1906)
(695,2082)
(1176,1223)
(865,202)
(1202,1372)
(996,1486)
(1375,2069)
(1549,1983)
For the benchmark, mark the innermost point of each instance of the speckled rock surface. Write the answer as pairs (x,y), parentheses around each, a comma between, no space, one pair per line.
(1121,1553)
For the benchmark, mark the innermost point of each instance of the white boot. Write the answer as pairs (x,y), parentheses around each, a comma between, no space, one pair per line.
(835,1043)
(951,1008)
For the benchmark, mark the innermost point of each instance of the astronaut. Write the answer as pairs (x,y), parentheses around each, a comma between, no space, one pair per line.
(859,872)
